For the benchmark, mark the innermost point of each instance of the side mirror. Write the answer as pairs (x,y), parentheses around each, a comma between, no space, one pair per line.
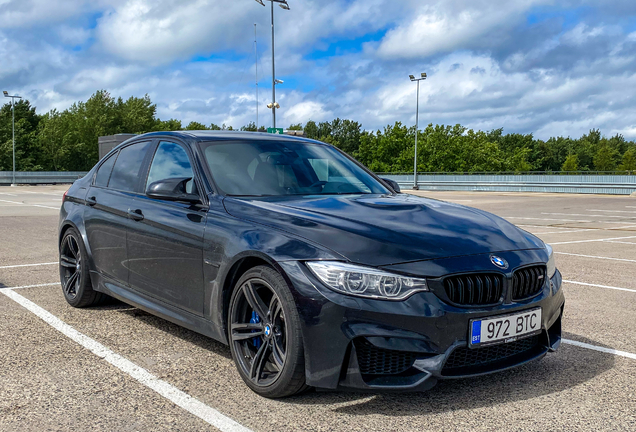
(172,189)
(394,185)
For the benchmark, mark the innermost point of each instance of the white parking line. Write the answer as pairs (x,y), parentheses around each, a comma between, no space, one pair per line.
(600,349)
(613,211)
(576,214)
(32,205)
(599,286)
(545,219)
(28,265)
(568,232)
(168,391)
(620,242)
(543,226)
(596,257)
(591,241)
(31,286)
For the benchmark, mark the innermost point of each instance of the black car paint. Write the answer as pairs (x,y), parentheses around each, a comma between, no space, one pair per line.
(202,246)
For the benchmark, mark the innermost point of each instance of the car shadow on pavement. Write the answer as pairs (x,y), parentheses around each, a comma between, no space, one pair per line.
(178,331)
(557,372)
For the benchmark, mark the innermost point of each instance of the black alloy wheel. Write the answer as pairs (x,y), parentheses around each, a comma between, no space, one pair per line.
(76,283)
(264,334)
(70,266)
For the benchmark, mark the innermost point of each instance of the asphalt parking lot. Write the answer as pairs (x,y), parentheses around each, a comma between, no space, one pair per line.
(118,368)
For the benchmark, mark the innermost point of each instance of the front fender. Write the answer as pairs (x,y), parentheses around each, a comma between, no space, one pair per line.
(233,244)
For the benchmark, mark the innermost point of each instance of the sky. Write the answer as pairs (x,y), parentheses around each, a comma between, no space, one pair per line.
(530,66)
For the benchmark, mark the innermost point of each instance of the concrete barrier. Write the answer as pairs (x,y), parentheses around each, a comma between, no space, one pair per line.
(40,177)
(582,184)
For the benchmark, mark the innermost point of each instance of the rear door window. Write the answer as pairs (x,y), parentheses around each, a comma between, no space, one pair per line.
(125,176)
(103,172)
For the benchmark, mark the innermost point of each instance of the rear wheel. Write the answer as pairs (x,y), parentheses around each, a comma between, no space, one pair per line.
(76,283)
(264,333)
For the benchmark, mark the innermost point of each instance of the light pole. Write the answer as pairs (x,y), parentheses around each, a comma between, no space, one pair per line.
(273,105)
(256,67)
(417,126)
(13,98)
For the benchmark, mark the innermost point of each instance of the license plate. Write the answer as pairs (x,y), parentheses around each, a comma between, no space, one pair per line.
(504,329)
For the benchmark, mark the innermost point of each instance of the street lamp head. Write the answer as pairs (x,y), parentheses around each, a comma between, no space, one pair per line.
(424,75)
(277,81)
(261,2)
(284,6)
(412,77)
(6,93)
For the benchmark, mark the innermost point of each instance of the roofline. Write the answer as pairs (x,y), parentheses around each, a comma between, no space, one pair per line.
(226,135)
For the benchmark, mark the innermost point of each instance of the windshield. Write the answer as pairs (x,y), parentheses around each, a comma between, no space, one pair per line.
(270,168)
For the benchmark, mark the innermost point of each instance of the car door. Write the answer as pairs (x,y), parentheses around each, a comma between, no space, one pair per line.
(106,218)
(165,246)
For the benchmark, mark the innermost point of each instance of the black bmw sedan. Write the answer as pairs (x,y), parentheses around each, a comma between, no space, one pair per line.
(316,272)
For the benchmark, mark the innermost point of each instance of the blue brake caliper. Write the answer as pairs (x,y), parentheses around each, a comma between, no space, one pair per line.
(256,319)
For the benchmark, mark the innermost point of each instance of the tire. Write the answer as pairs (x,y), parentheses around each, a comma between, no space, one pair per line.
(272,341)
(74,277)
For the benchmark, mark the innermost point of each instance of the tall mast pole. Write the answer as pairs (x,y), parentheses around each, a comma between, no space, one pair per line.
(13,127)
(256,64)
(273,71)
(417,128)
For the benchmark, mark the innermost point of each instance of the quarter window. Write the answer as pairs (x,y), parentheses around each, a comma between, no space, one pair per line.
(103,173)
(125,174)
(171,161)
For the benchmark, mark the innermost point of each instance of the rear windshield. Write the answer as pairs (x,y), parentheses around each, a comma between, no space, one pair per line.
(270,168)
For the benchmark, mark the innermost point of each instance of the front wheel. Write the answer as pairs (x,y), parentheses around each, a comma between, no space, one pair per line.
(264,334)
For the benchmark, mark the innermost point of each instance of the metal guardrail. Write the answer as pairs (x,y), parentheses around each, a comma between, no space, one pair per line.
(590,184)
(40,177)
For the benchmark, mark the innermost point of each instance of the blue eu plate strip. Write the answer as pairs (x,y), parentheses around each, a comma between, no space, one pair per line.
(476,333)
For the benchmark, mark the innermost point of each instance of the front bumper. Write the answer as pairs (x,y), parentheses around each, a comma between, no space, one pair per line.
(346,337)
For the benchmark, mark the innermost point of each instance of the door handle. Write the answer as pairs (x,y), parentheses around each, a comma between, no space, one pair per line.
(135,215)
(91,201)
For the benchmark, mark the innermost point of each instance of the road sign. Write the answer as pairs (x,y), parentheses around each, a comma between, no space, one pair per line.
(278,131)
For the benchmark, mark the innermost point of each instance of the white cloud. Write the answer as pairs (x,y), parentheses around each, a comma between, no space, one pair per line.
(303,111)
(485,70)
(447,25)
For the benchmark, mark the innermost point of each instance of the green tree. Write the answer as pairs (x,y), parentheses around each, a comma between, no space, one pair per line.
(251,127)
(311,130)
(629,160)
(53,140)
(26,125)
(571,163)
(168,125)
(196,126)
(606,158)
(135,115)
(297,127)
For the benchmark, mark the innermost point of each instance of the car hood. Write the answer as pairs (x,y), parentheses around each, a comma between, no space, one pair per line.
(381,230)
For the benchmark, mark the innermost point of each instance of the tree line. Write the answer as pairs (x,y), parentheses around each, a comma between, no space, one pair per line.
(67,141)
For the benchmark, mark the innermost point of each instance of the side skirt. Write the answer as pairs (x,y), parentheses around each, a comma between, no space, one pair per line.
(158,308)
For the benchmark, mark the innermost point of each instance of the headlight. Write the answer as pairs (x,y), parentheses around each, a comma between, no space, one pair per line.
(365,281)
(551,262)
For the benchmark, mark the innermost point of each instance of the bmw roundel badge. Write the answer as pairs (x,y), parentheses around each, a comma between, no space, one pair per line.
(499,262)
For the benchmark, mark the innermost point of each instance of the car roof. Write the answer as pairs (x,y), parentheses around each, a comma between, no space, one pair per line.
(225,135)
